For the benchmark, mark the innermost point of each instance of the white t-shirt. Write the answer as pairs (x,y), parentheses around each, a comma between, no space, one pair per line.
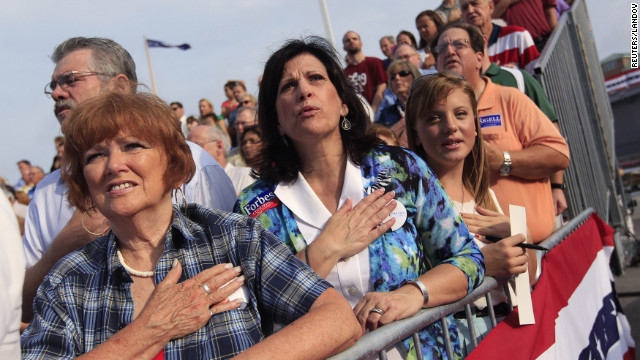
(11,280)
(240,176)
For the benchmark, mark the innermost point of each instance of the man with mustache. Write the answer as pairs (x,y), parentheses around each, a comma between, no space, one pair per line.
(85,68)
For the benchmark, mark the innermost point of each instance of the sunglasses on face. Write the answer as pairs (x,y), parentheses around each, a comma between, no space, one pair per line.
(403,73)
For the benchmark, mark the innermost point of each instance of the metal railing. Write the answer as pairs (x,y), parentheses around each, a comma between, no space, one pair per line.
(385,337)
(570,73)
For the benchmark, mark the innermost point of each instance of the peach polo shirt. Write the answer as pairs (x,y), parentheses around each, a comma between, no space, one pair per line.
(512,122)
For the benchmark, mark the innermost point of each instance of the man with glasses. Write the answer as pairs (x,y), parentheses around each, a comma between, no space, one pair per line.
(178,111)
(407,53)
(85,68)
(506,44)
(523,147)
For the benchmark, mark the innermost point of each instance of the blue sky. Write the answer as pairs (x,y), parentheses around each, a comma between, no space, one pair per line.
(229,39)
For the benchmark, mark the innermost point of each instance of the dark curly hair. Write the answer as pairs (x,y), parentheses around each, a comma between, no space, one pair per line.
(279,162)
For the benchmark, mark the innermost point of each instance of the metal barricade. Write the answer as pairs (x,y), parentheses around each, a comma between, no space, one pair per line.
(570,73)
(385,337)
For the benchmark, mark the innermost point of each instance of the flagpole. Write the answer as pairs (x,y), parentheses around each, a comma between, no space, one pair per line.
(327,21)
(146,50)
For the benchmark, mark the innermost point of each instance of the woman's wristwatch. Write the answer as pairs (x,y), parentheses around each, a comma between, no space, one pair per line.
(417,283)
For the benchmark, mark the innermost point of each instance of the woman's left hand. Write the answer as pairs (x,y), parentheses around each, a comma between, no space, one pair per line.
(487,223)
(395,305)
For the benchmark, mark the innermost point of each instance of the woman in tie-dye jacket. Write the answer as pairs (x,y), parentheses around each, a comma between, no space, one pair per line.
(317,163)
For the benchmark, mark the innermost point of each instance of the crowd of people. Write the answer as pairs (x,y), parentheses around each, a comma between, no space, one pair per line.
(287,225)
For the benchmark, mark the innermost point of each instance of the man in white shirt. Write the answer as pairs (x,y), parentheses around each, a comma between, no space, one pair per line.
(217,144)
(11,278)
(178,111)
(85,68)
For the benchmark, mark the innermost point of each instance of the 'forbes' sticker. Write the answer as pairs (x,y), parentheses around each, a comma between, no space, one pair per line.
(490,121)
(261,203)
(400,214)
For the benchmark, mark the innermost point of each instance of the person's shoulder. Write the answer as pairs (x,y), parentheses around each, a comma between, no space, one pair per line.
(513,30)
(503,91)
(50,190)
(254,196)
(392,154)
(51,180)
(238,170)
(207,216)
(373,59)
(81,263)
(237,227)
(374,62)
(201,157)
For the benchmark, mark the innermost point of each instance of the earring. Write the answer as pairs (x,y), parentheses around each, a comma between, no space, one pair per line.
(184,198)
(345,124)
(284,140)
(87,230)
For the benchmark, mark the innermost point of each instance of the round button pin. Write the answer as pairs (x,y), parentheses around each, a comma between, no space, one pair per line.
(400,214)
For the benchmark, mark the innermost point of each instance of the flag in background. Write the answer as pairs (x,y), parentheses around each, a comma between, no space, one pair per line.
(156,43)
(577,312)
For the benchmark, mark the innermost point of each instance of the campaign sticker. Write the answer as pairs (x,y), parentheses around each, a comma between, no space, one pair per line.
(400,214)
(261,203)
(490,121)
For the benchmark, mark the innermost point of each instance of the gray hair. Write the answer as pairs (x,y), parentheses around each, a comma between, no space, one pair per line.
(395,51)
(389,38)
(247,108)
(107,57)
(215,134)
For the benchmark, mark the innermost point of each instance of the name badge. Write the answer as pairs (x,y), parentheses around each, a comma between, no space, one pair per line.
(490,121)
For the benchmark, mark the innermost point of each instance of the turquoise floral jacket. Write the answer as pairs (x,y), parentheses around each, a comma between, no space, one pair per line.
(433,233)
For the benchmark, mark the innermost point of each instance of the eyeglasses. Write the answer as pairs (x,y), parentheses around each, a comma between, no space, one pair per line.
(457,45)
(403,73)
(67,79)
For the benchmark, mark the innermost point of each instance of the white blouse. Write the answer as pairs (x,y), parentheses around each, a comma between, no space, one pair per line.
(351,277)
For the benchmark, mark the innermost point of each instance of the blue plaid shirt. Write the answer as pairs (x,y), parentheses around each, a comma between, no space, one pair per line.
(86,298)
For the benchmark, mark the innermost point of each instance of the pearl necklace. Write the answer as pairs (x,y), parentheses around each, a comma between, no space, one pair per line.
(131,271)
